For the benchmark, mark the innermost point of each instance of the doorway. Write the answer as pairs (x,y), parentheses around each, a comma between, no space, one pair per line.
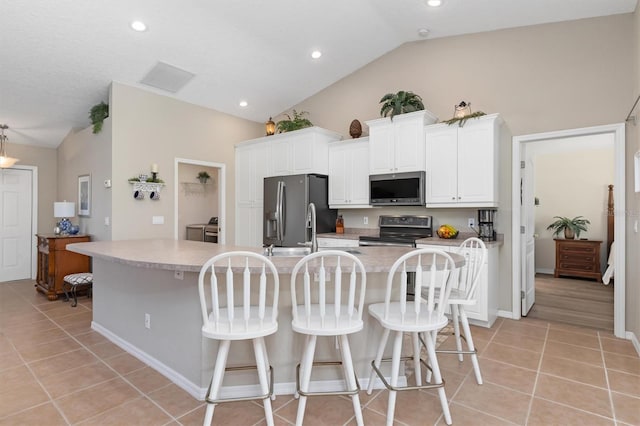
(196,201)
(18,222)
(523,274)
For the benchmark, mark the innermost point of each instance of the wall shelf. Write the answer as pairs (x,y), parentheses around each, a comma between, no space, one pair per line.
(196,187)
(147,186)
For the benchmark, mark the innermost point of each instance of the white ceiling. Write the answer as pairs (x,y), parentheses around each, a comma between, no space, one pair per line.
(59,57)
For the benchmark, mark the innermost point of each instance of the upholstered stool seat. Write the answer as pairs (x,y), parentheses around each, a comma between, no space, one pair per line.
(84,279)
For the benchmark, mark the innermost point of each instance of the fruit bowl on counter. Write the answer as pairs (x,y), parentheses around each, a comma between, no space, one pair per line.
(447,232)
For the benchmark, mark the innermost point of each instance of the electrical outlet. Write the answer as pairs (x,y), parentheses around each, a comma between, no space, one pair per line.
(365,220)
(471,223)
(147,320)
(178,275)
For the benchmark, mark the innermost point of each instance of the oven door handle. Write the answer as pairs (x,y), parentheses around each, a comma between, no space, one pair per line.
(382,244)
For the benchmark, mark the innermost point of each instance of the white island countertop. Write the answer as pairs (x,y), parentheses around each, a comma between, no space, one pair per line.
(191,255)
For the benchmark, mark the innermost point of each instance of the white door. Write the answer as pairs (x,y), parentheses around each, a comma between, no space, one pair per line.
(16,229)
(527,210)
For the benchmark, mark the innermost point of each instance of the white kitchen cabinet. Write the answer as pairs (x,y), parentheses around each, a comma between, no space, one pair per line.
(462,163)
(398,145)
(251,169)
(349,174)
(302,151)
(485,311)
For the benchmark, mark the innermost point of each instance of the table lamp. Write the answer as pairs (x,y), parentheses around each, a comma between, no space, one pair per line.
(63,210)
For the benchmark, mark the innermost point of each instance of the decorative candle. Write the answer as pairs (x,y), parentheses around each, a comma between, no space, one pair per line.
(154,168)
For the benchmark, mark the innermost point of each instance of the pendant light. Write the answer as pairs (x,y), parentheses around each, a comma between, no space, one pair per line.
(5,161)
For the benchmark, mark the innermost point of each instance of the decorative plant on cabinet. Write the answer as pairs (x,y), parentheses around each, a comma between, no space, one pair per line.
(571,227)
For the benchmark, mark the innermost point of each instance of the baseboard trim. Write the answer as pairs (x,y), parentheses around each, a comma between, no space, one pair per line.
(545,271)
(177,378)
(199,393)
(634,339)
(505,314)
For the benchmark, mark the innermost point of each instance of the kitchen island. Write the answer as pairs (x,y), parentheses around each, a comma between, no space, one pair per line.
(159,279)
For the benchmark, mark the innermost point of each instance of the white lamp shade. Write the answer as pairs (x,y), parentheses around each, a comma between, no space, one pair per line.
(64,209)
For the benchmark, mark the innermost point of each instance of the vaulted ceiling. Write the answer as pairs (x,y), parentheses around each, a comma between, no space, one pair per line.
(59,57)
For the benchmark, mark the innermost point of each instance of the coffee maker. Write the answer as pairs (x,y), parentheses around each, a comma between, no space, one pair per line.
(485,224)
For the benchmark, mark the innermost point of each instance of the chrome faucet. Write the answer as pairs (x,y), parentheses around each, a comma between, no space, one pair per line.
(311,223)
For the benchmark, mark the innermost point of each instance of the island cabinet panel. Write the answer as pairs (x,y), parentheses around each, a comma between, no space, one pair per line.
(578,258)
(349,174)
(55,262)
(462,163)
(398,145)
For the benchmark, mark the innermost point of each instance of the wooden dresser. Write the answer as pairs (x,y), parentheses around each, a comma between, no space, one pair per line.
(55,261)
(578,258)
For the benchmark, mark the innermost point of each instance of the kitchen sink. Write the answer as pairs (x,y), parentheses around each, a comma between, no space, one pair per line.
(303,251)
(287,251)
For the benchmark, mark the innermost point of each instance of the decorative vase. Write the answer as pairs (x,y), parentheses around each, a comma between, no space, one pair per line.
(355,129)
(569,234)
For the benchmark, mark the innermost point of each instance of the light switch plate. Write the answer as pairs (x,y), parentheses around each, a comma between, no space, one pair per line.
(157,220)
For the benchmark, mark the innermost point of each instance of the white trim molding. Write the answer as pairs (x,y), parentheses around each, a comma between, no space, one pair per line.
(634,339)
(618,132)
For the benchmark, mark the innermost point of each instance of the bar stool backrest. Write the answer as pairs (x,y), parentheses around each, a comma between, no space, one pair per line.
(434,271)
(333,282)
(238,306)
(475,254)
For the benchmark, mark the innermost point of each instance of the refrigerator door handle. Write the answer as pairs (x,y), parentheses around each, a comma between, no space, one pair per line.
(279,206)
(283,216)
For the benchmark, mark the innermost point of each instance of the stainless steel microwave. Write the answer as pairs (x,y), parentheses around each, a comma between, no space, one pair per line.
(397,189)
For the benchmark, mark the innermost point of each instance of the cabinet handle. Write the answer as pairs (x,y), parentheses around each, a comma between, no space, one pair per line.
(453,198)
(459,198)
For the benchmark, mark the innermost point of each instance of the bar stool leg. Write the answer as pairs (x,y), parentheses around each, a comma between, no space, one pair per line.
(266,361)
(470,345)
(433,361)
(456,330)
(395,372)
(260,351)
(216,380)
(350,377)
(417,370)
(307,364)
(378,360)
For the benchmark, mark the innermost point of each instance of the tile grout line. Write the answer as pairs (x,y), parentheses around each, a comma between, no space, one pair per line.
(82,345)
(606,377)
(535,382)
(468,407)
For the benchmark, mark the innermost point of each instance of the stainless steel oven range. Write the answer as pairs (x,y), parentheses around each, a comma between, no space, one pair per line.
(401,231)
(207,232)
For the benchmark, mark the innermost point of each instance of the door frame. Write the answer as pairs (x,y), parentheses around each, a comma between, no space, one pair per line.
(618,132)
(221,195)
(34,215)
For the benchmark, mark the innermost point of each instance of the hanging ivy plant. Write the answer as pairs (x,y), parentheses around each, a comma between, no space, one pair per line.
(97,114)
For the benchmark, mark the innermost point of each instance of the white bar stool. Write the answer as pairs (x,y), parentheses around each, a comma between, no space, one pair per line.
(230,312)
(463,294)
(433,269)
(328,310)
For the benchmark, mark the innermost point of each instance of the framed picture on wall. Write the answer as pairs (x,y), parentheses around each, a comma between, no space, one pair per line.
(84,195)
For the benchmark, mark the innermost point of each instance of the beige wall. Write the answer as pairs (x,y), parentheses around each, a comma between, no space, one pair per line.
(578,186)
(149,128)
(45,160)
(540,78)
(85,153)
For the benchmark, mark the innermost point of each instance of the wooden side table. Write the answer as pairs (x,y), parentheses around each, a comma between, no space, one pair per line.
(578,258)
(55,262)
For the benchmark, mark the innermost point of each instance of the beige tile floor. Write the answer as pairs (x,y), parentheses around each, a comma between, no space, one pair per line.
(55,370)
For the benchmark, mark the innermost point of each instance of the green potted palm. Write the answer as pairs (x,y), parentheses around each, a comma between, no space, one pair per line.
(297,122)
(400,103)
(571,227)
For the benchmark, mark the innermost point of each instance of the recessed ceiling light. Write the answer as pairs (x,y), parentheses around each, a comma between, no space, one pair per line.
(434,3)
(316,54)
(243,104)
(138,26)
(423,32)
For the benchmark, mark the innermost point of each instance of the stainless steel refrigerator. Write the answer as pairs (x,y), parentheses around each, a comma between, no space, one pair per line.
(285,209)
